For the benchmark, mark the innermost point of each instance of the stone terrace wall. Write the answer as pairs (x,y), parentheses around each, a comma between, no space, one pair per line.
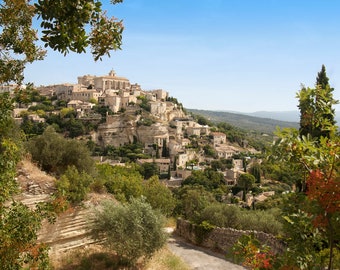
(222,239)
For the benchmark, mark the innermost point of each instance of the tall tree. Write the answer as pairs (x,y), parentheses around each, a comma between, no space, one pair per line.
(318,207)
(246,182)
(322,80)
(158,195)
(316,108)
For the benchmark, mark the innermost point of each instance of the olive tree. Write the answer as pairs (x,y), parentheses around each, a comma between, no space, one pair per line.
(54,153)
(133,230)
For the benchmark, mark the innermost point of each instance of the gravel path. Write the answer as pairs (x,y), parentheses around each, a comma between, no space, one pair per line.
(199,258)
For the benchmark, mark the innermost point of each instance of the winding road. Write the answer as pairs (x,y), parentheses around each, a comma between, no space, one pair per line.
(199,258)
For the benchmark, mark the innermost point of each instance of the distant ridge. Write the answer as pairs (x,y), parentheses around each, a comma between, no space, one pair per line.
(246,121)
(287,116)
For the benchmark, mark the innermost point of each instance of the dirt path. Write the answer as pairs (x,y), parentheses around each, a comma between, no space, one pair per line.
(198,258)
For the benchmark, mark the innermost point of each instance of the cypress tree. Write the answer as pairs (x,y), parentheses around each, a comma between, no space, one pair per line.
(316,108)
(322,79)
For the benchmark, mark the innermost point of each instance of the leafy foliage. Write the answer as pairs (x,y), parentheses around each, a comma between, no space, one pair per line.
(159,196)
(124,182)
(74,185)
(18,224)
(64,27)
(126,153)
(192,200)
(18,234)
(251,253)
(55,153)
(221,215)
(132,230)
(210,180)
(149,169)
(230,216)
(313,149)
(64,24)
(145,103)
(246,182)
(17,38)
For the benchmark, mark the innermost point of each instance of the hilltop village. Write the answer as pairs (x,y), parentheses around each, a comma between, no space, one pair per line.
(171,137)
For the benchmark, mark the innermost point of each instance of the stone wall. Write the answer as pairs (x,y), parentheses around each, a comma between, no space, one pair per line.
(222,239)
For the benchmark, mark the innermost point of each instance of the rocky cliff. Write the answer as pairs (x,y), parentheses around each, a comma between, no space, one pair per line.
(135,124)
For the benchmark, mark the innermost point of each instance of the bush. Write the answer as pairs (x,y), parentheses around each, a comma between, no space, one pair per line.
(262,221)
(54,153)
(251,253)
(159,196)
(74,185)
(123,182)
(192,200)
(221,215)
(133,230)
(229,216)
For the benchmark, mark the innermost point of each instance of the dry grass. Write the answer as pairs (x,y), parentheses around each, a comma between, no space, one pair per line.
(31,173)
(171,222)
(97,258)
(86,259)
(164,259)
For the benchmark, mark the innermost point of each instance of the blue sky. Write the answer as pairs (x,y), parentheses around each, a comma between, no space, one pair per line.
(238,55)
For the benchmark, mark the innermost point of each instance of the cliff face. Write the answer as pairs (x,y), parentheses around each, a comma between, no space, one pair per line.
(125,128)
(117,130)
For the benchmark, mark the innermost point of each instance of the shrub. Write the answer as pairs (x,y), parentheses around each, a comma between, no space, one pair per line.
(74,185)
(229,216)
(123,182)
(159,196)
(251,253)
(192,201)
(133,230)
(262,221)
(54,153)
(221,215)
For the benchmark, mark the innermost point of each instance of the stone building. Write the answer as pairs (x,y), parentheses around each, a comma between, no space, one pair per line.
(226,151)
(65,91)
(218,138)
(162,163)
(85,94)
(160,94)
(81,107)
(110,81)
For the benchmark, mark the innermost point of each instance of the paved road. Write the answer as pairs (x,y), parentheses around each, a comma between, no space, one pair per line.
(198,258)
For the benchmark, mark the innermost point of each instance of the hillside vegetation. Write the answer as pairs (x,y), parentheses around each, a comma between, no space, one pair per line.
(258,124)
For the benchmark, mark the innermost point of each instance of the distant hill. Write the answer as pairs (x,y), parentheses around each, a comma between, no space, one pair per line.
(286,116)
(244,121)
